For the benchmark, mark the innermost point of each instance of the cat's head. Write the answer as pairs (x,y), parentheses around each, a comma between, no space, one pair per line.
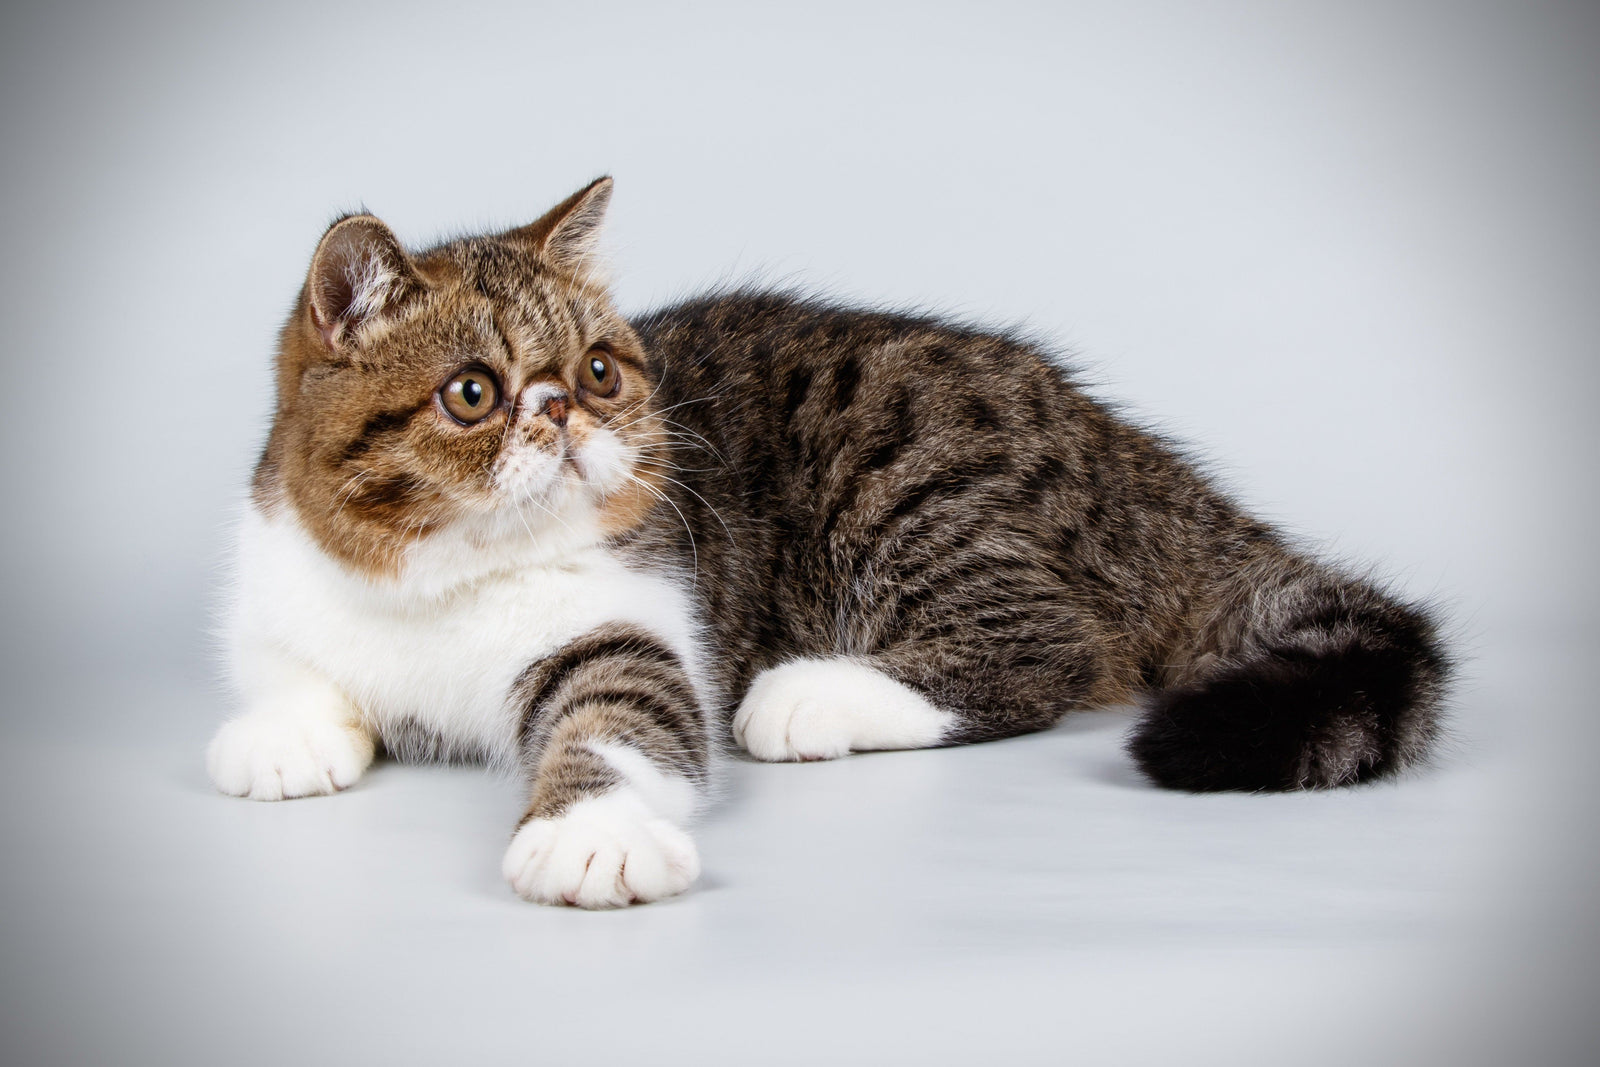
(484,391)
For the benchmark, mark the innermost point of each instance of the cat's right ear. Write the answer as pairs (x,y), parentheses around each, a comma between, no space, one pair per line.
(568,234)
(359,272)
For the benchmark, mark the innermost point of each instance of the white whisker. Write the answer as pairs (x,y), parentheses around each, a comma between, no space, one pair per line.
(703,501)
(659,494)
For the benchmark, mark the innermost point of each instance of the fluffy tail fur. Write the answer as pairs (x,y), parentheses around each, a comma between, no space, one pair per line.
(1297,678)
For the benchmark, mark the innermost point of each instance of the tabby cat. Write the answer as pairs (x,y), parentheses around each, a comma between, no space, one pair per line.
(497,520)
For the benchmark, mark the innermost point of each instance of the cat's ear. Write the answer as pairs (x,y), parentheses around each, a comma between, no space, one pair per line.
(566,237)
(359,271)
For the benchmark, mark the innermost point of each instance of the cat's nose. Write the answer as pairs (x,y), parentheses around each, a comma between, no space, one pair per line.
(555,409)
(546,398)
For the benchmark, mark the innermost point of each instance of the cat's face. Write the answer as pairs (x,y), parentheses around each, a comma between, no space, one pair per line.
(486,388)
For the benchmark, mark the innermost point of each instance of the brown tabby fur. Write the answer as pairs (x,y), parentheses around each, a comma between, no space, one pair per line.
(616,684)
(943,503)
(359,443)
(937,501)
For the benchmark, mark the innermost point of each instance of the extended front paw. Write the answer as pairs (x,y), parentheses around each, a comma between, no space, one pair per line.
(268,756)
(603,852)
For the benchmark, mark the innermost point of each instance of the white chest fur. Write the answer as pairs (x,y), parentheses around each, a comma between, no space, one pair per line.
(442,654)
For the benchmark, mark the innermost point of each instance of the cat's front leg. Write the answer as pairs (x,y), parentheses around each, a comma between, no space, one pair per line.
(298,736)
(617,743)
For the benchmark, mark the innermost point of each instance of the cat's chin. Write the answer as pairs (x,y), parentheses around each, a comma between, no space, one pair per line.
(556,522)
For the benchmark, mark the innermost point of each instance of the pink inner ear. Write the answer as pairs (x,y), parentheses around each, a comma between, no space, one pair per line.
(358,269)
(567,234)
(333,290)
(326,327)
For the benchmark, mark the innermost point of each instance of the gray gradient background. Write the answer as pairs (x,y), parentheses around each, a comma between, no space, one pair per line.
(1348,251)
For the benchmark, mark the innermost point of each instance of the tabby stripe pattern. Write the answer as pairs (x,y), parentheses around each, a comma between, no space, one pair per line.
(618,684)
(943,504)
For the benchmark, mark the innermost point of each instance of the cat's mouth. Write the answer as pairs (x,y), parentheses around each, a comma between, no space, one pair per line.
(525,477)
(568,469)
(563,472)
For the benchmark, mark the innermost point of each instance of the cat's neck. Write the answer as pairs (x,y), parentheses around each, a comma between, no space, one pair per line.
(453,561)
(456,558)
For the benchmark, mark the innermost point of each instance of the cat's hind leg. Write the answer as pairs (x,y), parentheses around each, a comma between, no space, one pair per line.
(971,657)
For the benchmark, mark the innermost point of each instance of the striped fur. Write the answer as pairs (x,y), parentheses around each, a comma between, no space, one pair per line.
(432,569)
(617,685)
(832,529)
(944,504)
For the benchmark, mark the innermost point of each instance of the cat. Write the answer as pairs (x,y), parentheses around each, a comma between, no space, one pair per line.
(496,520)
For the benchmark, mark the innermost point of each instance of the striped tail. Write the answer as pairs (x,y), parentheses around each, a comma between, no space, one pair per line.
(1298,678)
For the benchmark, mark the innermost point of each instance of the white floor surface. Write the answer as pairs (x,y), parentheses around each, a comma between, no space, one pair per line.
(1030,901)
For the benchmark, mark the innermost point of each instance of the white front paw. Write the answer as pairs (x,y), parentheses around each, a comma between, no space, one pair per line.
(267,756)
(816,709)
(604,852)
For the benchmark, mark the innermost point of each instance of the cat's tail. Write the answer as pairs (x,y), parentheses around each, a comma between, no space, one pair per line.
(1297,677)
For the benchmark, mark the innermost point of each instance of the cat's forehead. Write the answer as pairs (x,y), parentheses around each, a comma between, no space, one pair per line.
(488,303)
(483,279)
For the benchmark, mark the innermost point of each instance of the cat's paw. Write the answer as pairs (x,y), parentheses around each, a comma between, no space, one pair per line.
(266,756)
(816,709)
(605,852)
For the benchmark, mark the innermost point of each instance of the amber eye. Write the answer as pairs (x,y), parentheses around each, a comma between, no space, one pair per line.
(600,375)
(470,395)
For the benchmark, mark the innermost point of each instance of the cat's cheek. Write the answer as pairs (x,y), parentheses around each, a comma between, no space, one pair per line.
(605,463)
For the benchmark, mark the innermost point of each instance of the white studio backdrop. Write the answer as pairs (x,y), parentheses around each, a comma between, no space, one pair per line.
(1349,253)
(1346,252)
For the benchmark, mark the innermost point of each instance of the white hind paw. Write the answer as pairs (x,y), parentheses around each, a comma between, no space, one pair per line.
(605,852)
(815,709)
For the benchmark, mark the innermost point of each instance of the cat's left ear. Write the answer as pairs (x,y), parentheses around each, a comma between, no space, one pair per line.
(358,273)
(567,236)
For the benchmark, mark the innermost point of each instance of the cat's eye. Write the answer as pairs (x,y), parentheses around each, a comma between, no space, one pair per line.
(470,396)
(599,374)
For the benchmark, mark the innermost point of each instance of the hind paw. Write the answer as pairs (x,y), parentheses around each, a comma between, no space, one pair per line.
(816,709)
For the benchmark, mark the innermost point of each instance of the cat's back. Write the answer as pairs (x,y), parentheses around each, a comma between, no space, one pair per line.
(813,360)
(841,439)
(822,396)
(846,397)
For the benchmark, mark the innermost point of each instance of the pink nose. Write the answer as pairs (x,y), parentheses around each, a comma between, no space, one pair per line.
(556,410)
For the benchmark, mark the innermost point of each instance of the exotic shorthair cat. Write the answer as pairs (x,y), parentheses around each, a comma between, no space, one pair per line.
(497,520)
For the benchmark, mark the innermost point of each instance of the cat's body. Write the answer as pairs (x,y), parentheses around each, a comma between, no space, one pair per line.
(943,503)
(495,520)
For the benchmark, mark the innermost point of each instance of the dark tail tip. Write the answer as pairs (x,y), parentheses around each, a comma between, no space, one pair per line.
(1304,717)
